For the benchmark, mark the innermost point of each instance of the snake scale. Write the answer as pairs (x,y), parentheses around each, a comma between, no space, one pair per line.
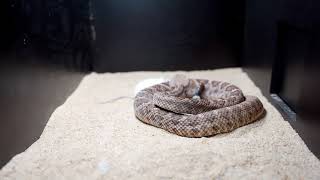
(196,107)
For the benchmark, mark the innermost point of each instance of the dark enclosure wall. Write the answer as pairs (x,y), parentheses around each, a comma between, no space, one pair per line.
(167,34)
(56,32)
(126,35)
(35,77)
(282,56)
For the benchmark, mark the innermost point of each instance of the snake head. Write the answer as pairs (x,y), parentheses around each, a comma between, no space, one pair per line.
(179,80)
(192,89)
(188,88)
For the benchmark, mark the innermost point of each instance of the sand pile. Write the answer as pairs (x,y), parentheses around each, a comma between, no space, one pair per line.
(89,137)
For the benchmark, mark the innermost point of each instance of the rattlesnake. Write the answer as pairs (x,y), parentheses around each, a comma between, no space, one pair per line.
(196,107)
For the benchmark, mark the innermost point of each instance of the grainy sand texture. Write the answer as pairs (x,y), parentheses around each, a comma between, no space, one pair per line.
(89,137)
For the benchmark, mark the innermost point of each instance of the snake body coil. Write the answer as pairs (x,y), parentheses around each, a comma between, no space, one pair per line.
(219,107)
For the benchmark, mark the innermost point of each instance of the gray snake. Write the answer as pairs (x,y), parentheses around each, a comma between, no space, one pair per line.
(196,107)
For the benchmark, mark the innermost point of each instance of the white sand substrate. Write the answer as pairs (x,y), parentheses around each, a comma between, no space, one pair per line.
(89,137)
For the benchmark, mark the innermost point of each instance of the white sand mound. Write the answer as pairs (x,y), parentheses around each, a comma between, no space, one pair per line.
(88,139)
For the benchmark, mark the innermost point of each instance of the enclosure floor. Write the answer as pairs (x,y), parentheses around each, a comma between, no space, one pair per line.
(87,138)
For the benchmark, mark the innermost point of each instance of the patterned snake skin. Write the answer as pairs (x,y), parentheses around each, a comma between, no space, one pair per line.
(196,107)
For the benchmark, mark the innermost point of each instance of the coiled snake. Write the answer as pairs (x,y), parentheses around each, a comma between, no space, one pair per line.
(196,107)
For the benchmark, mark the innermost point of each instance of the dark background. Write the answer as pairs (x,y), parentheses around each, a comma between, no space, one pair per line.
(47,46)
(282,56)
(39,69)
(167,34)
